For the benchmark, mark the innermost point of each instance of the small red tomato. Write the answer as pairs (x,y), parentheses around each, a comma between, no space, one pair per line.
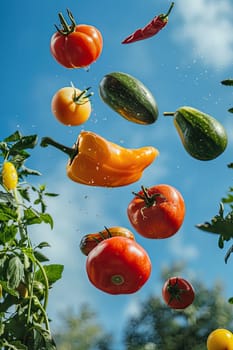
(178,293)
(157,212)
(90,241)
(76,46)
(118,265)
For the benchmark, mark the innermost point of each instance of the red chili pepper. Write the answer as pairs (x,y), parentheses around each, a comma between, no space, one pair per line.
(152,28)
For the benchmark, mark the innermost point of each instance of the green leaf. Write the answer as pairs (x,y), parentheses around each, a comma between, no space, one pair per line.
(7,213)
(7,233)
(25,142)
(26,172)
(43,245)
(29,253)
(221,242)
(230,250)
(7,289)
(4,148)
(230,300)
(53,272)
(16,136)
(24,192)
(219,224)
(31,217)
(40,257)
(230,110)
(51,194)
(42,339)
(7,197)
(47,219)
(15,272)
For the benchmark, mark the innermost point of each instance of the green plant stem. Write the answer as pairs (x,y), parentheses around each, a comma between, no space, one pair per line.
(23,235)
(45,317)
(46,283)
(19,218)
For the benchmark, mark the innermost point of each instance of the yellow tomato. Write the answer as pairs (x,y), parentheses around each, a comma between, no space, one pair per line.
(71,106)
(9,176)
(220,339)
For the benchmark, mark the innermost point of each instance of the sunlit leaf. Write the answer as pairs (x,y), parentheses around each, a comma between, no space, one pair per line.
(40,257)
(26,172)
(7,233)
(7,213)
(15,272)
(53,272)
(219,224)
(25,142)
(43,245)
(16,136)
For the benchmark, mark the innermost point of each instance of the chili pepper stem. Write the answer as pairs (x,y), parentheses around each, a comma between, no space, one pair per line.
(72,152)
(168,12)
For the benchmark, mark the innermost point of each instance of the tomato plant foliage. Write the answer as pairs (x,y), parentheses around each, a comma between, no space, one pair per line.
(24,323)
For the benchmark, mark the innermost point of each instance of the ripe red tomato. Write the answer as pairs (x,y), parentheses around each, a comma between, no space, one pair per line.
(118,265)
(76,46)
(157,212)
(178,293)
(220,339)
(90,241)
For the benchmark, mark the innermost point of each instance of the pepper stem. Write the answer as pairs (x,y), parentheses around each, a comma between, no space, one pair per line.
(168,114)
(72,152)
(168,12)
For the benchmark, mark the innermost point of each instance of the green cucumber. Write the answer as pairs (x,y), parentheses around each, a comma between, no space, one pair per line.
(129,97)
(202,136)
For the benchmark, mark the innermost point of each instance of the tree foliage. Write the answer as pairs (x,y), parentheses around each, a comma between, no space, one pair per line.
(159,327)
(81,331)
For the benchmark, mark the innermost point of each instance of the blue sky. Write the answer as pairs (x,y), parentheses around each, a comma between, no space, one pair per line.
(182,65)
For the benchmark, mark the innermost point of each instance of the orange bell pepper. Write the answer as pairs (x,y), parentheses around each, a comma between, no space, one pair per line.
(96,161)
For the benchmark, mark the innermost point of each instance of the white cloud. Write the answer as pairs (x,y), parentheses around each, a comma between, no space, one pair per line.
(133,308)
(207,28)
(181,250)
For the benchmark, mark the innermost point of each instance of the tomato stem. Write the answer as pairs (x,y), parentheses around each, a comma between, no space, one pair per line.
(149,200)
(82,98)
(72,152)
(108,232)
(175,291)
(66,29)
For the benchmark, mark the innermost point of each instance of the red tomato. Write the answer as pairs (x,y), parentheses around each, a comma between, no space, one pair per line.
(118,265)
(178,293)
(76,46)
(157,212)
